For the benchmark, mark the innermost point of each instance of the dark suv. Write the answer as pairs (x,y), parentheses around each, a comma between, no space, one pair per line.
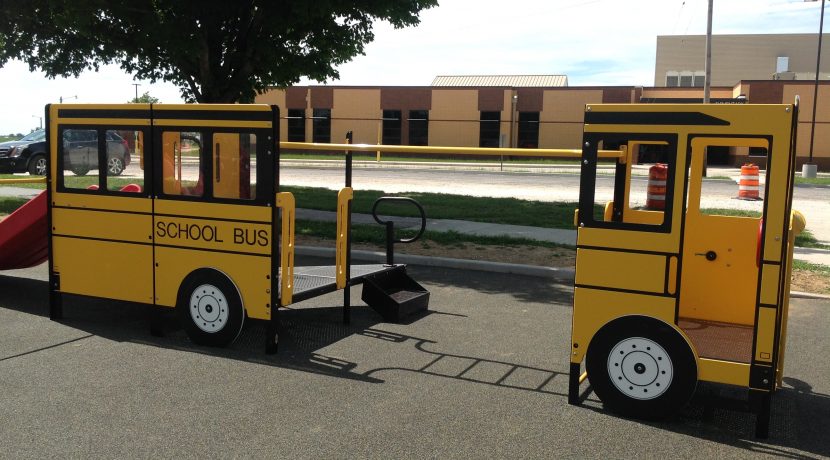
(80,152)
(25,154)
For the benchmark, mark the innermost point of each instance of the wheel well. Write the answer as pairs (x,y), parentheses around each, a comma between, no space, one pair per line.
(644,318)
(209,273)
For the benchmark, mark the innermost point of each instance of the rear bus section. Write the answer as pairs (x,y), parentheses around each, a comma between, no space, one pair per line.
(674,291)
(183,220)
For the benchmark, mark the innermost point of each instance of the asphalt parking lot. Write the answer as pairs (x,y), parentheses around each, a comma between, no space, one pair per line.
(483,375)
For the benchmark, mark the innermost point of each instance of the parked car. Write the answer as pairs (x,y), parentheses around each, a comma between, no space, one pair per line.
(25,154)
(80,152)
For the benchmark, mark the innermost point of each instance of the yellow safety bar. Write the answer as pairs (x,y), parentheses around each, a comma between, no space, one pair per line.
(285,201)
(427,150)
(33,180)
(343,198)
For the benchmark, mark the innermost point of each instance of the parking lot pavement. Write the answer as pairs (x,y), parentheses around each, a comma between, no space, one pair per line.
(482,375)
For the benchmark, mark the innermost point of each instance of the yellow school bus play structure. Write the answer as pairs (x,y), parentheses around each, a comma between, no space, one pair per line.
(664,299)
(199,225)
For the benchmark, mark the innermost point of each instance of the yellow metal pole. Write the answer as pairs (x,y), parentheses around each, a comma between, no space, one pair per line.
(437,150)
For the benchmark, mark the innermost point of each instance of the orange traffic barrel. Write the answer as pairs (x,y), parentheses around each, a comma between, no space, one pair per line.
(656,192)
(749,185)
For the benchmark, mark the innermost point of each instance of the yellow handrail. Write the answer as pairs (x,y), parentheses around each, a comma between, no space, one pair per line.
(33,180)
(427,150)
(285,201)
(341,247)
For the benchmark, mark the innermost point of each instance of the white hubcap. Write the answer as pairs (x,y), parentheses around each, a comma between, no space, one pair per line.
(640,368)
(209,308)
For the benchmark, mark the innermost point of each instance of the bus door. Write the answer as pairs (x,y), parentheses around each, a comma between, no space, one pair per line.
(100,206)
(213,214)
(627,253)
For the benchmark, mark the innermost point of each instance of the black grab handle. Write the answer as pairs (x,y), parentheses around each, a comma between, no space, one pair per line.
(390,225)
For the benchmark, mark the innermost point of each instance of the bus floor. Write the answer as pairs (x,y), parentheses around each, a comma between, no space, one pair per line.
(724,341)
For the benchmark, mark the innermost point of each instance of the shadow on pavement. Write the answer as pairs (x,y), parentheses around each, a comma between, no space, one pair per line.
(718,414)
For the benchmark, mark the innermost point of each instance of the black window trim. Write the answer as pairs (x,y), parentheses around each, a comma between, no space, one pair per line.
(587,186)
(101,131)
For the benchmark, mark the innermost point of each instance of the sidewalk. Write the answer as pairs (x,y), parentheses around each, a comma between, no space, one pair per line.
(551,235)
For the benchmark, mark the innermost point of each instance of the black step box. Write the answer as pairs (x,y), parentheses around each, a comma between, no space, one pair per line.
(394,295)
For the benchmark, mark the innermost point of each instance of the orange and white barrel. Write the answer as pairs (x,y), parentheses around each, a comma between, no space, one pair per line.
(656,192)
(749,184)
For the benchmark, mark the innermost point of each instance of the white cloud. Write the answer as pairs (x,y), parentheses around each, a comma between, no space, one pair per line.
(594,42)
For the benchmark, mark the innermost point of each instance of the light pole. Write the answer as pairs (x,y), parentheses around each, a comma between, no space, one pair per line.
(808,169)
(136,90)
(40,121)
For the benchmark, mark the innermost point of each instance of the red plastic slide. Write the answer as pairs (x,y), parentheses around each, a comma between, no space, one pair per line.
(24,236)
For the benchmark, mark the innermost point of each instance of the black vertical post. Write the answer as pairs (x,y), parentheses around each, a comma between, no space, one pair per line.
(272,328)
(390,243)
(347,290)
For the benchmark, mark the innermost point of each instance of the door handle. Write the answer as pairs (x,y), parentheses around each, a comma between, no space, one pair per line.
(710,255)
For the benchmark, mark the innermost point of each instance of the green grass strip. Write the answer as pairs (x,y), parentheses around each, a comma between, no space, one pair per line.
(376,234)
(8,204)
(444,206)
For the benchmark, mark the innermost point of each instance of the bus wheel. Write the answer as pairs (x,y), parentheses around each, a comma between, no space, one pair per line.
(210,309)
(641,367)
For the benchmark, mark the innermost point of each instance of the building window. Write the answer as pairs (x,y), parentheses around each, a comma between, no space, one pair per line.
(418,127)
(391,127)
(296,125)
(321,126)
(528,137)
(488,134)
(685,79)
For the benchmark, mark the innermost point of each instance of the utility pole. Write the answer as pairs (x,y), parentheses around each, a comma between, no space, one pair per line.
(708,65)
(707,71)
(136,90)
(808,169)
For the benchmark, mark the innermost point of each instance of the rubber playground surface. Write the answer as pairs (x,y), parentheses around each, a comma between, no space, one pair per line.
(483,375)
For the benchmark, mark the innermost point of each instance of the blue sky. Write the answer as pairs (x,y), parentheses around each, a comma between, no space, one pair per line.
(593,42)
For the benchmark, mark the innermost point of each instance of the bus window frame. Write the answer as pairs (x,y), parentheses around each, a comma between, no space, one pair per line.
(588,179)
(265,165)
(101,130)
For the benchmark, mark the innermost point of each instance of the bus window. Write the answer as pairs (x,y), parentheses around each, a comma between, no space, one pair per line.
(121,145)
(182,168)
(80,156)
(234,170)
(615,195)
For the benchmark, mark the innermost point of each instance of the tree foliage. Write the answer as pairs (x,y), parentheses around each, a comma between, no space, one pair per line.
(214,50)
(144,99)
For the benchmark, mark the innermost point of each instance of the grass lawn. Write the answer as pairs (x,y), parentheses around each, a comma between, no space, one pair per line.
(812,180)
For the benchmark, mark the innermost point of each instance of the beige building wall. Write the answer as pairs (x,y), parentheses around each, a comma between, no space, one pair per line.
(562,116)
(738,57)
(821,142)
(687,93)
(276,97)
(356,110)
(454,118)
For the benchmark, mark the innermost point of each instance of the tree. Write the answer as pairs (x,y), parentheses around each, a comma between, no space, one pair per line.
(214,50)
(144,99)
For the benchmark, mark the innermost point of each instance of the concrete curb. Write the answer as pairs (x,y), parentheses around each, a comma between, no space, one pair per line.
(551,273)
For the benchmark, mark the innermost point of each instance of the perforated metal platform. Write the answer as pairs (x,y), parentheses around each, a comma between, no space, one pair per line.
(728,342)
(311,281)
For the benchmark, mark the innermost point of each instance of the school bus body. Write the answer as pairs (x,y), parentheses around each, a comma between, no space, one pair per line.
(715,285)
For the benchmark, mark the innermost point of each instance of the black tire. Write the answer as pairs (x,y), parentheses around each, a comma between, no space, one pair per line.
(115,165)
(79,170)
(38,165)
(209,308)
(641,367)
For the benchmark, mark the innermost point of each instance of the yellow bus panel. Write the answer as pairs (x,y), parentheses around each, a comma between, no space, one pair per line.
(765,338)
(195,209)
(769,284)
(213,234)
(598,307)
(615,269)
(136,228)
(251,275)
(121,271)
(105,202)
(714,370)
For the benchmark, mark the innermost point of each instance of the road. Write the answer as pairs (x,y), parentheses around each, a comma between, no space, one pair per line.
(482,376)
